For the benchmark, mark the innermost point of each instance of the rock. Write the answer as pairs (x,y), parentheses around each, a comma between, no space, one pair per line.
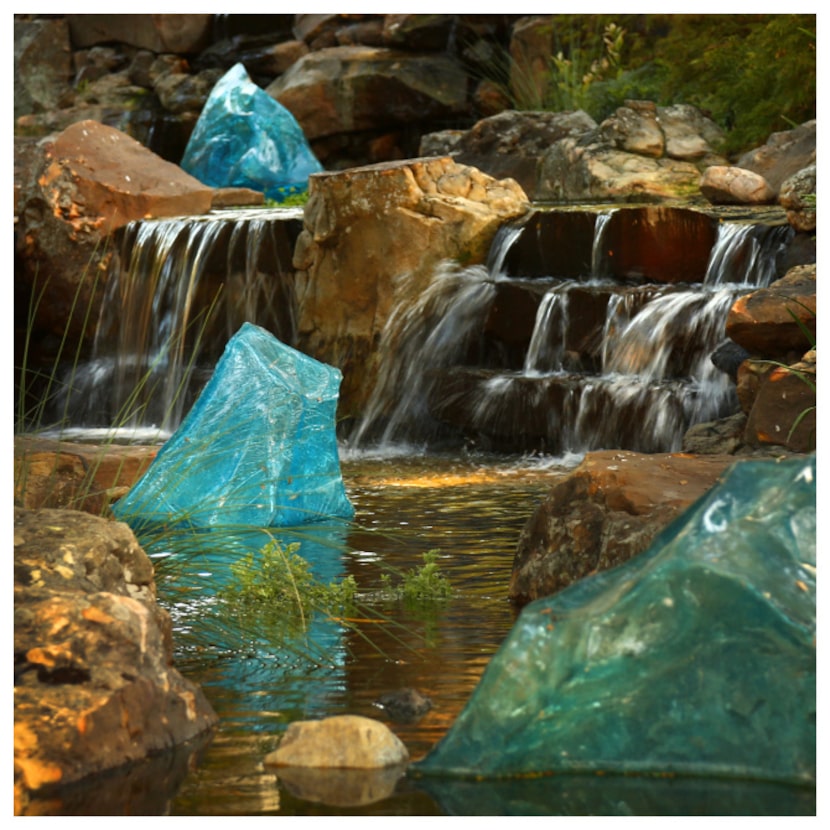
(784,154)
(723,185)
(798,198)
(608,510)
(244,138)
(342,741)
(78,476)
(509,144)
(180,92)
(42,65)
(783,408)
(95,688)
(723,437)
(581,169)
(366,226)
(357,88)
(770,322)
(695,659)
(404,705)
(689,134)
(89,181)
(634,129)
(256,450)
(182,33)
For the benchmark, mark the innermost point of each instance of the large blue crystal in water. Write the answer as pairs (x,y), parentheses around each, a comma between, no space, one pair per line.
(244,138)
(257,449)
(695,658)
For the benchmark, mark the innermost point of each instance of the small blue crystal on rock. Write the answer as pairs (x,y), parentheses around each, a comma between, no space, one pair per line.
(245,138)
(257,449)
(696,658)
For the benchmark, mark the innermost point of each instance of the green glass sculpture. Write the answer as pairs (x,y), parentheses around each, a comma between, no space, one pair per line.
(695,658)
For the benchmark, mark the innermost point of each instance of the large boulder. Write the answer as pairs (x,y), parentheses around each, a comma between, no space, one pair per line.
(606,511)
(42,65)
(784,154)
(798,198)
(367,226)
(95,688)
(640,153)
(725,185)
(695,659)
(509,144)
(89,181)
(771,322)
(358,89)
(182,33)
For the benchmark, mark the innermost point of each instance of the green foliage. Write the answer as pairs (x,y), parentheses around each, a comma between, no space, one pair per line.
(752,74)
(279,580)
(419,585)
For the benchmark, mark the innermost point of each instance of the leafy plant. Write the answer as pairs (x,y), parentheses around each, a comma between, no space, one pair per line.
(278,579)
(419,585)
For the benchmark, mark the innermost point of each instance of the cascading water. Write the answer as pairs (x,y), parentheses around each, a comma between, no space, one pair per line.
(179,289)
(606,363)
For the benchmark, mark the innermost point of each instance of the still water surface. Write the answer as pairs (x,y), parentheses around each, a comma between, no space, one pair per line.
(472,512)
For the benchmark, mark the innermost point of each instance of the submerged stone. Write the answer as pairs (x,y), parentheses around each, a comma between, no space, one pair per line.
(695,658)
(245,138)
(257,449)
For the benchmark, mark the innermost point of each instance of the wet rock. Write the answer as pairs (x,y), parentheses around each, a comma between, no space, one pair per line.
(87,182)
(723,437)
(728,357)
(404,705)
(78,476)
(782,404)
(798,198)
(608,510)
(180,92)
(770,322)
(723,185)
(658,244)
(697,658)
(366,226)
(783,155)
(95,688)
(342,741)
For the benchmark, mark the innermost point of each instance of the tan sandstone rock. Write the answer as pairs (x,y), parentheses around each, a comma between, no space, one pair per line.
(367,227)
(342,741)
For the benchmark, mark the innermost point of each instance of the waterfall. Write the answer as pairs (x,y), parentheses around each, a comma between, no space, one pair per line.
(604,364)
(177,291)
(747,254)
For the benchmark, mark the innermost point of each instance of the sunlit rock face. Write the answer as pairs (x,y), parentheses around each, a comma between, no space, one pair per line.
(95,687)
(364,228)
(696,658)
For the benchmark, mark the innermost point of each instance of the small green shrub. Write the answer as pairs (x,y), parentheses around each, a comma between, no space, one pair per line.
(279,580)
(419,585)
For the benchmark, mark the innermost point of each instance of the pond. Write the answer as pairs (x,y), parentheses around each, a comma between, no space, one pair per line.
(471,511)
